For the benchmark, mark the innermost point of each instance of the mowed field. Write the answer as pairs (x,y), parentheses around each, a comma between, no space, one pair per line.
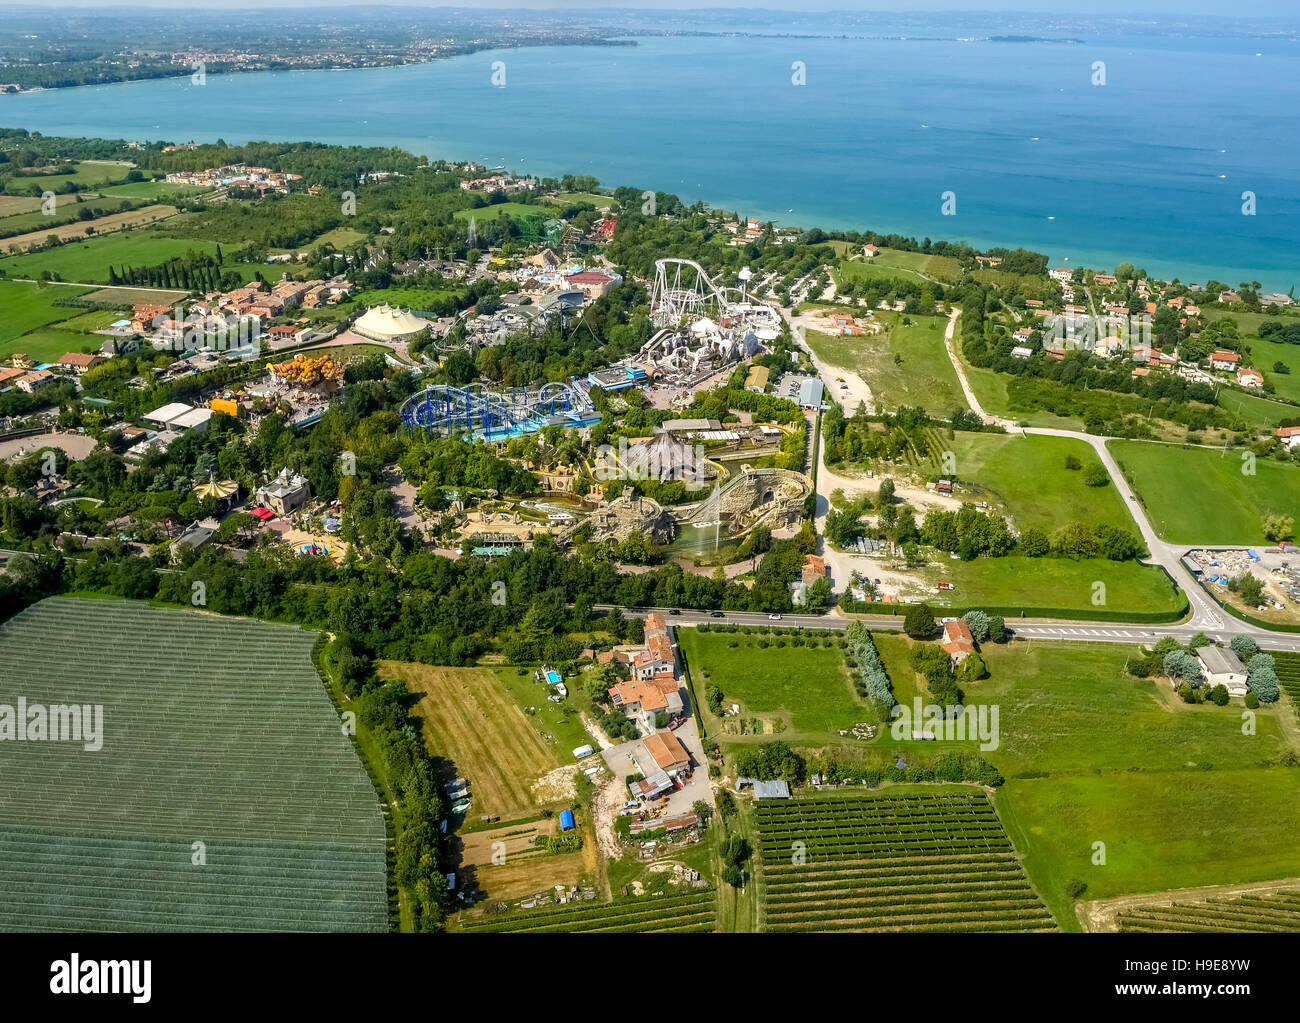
(89,261)
(917,266)
(471,722)
(1028,476)
(1264,353)
(806,688)
(905,859)
(1174,483)
(922,376)
(99,226)
(1039,586)
(1068,708)
(27,306)
(1159,830)
(26,214)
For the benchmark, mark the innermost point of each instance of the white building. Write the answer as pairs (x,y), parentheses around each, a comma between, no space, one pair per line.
(1222,667)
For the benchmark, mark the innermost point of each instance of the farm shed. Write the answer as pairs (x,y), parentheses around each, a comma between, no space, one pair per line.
(777,789)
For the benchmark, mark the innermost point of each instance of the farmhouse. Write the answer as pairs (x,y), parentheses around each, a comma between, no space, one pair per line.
(1224,360)
(643,701)
(1222,667)
(1250,377)
(666,753)
(957,640)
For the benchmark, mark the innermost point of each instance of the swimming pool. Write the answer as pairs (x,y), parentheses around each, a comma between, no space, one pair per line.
(552,676)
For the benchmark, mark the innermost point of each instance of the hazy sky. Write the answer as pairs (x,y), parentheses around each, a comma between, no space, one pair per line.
(1181,8)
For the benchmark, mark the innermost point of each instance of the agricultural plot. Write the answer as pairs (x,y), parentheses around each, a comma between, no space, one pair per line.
(99,226)
(471,722)
(806,688)
(1267,912)
(689,912)
(89,261)
(1288,676)
(919,862)
(223,796)
(1162,475)
(1160,830)
(27,307)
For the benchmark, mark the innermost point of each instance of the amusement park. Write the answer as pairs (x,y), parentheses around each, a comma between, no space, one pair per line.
(702,329)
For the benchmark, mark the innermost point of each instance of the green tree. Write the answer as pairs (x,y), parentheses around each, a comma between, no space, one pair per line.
(919,621)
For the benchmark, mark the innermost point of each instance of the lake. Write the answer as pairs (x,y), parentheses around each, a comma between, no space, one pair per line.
(1149,167)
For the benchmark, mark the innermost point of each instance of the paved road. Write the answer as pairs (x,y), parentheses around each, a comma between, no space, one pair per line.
(1026,628)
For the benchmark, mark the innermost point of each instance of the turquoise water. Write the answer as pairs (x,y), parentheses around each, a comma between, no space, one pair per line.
(1149,167)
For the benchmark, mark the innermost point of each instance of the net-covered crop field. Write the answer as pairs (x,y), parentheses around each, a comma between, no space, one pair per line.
(214,731)
(1267,912)
(692,911)
(925,862)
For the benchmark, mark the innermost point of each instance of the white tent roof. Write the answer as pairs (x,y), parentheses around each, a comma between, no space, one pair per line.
(389,320)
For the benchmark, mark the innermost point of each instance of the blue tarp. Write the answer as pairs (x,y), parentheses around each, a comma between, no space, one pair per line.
(566,821)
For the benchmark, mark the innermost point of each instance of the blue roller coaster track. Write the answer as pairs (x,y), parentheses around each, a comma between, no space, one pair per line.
(493,415)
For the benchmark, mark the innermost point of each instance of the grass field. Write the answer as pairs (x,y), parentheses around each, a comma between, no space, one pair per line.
(516,211)
(85,175)
(1028,476)
(472,723)
(32,219)
(1161,830)
(407,298)
(1068,709)
(50,343)
(100,226)
(897,263)
(929,860)
(1033,584)
(89,261)
(1165,477)
(599,201)
(923,375)
(1261,413)
(221,735)
(151,189)
(1264,353)
(28,307)
(808,689)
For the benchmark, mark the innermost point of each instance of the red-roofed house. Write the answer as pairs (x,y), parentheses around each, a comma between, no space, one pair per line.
(1289,435)
(957,640)
(80,361)
(1224,360)
(1250,377)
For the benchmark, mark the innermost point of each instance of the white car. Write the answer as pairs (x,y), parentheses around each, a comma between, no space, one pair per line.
(773,618)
